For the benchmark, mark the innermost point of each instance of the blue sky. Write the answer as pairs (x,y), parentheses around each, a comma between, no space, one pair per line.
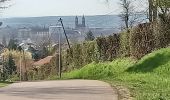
(30,8)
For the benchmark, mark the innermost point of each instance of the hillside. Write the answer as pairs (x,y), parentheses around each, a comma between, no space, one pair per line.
(147,79)
(104,21)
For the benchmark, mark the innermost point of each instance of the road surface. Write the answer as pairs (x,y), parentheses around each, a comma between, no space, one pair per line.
(59,90)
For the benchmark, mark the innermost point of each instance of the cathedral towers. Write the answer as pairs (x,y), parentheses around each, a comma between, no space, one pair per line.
(77,25)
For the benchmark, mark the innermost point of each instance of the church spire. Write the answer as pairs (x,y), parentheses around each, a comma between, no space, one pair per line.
(76,22)
(83,21)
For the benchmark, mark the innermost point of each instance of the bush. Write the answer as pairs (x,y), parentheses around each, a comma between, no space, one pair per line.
(141,40)
(79,55)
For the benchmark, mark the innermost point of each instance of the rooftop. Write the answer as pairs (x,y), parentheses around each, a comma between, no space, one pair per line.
(43,61)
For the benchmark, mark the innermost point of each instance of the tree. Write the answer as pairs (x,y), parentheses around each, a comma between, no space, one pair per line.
(11,65)
(151,6)
(89,36)
(12,44)
(164,6)
(127,14)
(4,43)
(161,6)
(164,23)
(153,10)
(2,6)
(45,52)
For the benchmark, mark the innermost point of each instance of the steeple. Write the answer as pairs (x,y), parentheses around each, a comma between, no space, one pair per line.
(76,22)
(83,21)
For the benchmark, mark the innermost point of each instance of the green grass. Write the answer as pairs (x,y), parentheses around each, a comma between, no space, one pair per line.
(3,84)
(147,79)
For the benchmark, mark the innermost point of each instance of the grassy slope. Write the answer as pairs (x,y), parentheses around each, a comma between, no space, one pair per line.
(147,79)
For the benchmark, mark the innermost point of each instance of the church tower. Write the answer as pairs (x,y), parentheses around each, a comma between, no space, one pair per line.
(83,21)
(76,22)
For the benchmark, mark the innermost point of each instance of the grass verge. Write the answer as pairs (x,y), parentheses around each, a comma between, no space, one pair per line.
(3,84)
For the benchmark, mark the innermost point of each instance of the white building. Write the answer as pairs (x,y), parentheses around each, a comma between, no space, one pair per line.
(24,33)
(54,32)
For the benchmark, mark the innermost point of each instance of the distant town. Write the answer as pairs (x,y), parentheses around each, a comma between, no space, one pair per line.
(36,35)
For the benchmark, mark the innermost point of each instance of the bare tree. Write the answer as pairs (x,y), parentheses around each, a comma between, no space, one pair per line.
(127,13)
(164,9)
(150,10)
(3,5)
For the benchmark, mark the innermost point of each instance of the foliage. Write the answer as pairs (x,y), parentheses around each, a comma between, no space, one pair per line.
(89,36)
(2,4)
(147,79)
(127,7)
(108,47)
(101,49)
(41,53)
(164,6)
(80,54)
(45,52)
(10,65)
(9,68)
(141,40)
(12,60)
(163,34)
(12,44)
(44,71)
(124,50)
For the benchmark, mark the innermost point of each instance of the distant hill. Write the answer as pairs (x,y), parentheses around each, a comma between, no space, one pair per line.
(104,21)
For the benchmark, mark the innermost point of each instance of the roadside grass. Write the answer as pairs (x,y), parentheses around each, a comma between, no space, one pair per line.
(147,79)
(3,84)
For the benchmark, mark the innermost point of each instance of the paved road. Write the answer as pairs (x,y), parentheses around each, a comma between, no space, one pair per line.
(59,90)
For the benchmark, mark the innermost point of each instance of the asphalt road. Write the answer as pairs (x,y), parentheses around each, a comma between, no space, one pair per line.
(59,90)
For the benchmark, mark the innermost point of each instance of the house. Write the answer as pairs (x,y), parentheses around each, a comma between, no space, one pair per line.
(45,67)
(42,62)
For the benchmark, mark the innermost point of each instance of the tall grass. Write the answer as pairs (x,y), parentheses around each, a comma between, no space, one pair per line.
(147,79)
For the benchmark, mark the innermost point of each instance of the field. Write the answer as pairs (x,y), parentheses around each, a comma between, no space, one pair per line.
(146,79)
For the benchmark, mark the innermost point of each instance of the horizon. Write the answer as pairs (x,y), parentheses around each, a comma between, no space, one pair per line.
(109,21)
(57,16)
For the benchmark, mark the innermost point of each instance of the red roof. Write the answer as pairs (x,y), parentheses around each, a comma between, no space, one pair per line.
(43,61)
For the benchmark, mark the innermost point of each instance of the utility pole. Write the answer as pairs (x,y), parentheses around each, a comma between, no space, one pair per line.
(59,54)
(25,67)
(60,57)
(20,66)
(60,20)
(3,68)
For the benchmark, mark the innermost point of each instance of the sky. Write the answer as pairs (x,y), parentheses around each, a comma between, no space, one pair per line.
(34,8)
